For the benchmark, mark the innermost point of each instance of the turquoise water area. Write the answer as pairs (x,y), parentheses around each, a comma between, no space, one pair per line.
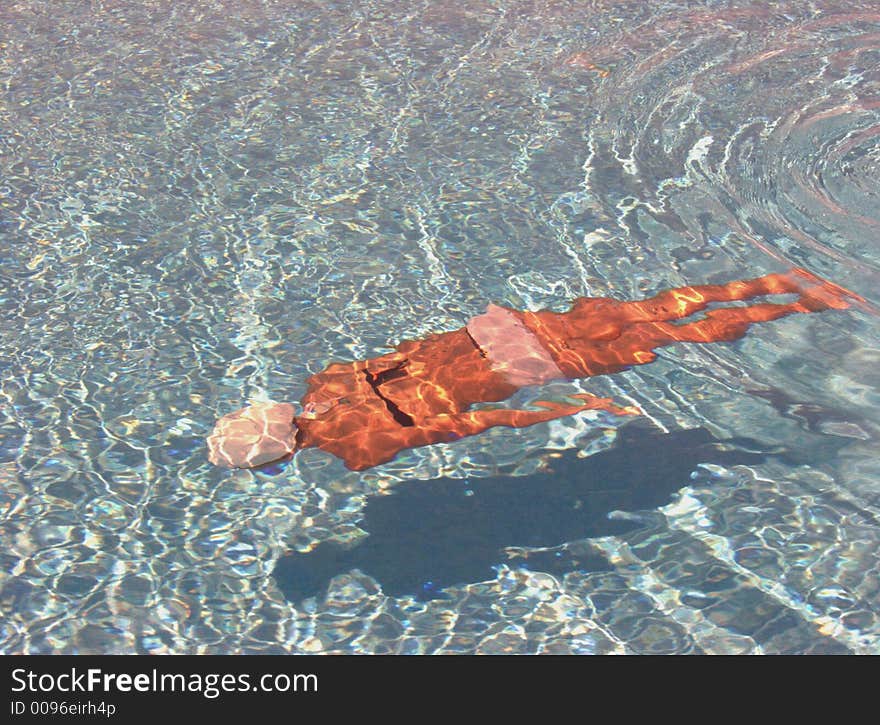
(203,203)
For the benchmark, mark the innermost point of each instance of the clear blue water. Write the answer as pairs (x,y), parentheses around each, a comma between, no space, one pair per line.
(203,203)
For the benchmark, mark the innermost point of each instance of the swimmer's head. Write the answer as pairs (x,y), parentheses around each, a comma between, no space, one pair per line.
(253,436)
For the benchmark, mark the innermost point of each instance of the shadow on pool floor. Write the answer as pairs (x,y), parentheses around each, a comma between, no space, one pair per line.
(431,534)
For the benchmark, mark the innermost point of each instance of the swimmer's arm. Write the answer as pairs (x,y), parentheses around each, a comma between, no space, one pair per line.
(445,428)
(378,447)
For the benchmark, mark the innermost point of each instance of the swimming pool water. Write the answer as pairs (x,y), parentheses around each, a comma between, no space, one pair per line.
(203,203)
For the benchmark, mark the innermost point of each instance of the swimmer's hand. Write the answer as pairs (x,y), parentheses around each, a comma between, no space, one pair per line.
(590,402)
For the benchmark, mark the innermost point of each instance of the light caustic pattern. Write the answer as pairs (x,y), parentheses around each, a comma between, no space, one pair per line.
(772,126)
(366,412)
(208,203)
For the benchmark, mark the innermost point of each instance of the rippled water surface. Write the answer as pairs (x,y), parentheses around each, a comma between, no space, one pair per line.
(202,203)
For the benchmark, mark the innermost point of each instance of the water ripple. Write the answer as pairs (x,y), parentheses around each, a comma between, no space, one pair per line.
(205,203)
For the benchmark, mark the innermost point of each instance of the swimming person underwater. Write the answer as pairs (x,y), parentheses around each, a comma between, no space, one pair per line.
(366,412)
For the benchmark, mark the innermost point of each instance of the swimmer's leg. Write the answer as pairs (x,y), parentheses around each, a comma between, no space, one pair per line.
(636,342)
(731,323)
(719,325)
(685,301)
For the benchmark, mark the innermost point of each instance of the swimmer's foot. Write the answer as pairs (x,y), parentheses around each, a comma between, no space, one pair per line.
(253,436)
(819,294)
